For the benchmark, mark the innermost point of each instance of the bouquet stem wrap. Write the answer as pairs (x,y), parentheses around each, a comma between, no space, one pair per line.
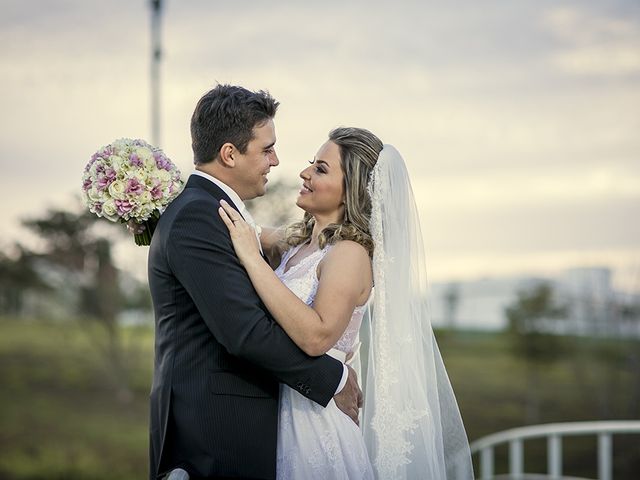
(144,238)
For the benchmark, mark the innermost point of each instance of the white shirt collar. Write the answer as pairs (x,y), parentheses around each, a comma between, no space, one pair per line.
(225,188)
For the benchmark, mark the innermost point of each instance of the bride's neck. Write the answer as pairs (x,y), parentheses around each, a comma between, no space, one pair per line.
(320,224)
(322,220)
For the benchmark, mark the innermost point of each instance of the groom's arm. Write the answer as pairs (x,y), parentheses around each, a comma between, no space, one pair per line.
(273,244)
(201,255)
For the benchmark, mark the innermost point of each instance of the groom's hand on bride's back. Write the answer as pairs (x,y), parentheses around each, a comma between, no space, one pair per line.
(349,400)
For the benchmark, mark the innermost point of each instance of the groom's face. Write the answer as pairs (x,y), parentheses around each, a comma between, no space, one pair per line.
(252,167)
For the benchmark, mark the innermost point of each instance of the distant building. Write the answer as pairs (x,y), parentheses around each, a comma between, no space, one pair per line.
(480,303)
(594,307)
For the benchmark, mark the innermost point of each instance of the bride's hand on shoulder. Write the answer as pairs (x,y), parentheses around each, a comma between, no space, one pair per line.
(243,236)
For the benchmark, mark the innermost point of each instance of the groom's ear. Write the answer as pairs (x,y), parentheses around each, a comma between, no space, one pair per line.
(227,153)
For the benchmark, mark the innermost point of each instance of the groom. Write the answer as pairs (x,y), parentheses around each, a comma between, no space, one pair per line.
(219,355)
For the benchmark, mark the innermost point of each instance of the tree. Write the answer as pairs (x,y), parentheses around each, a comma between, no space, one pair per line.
(18,276)
(451,298)
(530,318)
(71,244)
(609,341)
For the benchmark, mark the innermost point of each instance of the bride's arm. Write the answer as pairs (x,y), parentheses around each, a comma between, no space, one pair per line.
(344,281)
(316,329)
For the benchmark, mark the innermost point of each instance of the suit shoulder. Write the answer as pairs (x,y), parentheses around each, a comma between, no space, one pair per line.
(194,213)
(191,195)
(190,202)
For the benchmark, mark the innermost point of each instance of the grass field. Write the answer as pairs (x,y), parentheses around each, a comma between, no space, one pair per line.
(62,415)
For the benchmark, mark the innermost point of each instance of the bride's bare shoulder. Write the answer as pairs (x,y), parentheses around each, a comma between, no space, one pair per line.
(349,247)
(348,266)
(347,255)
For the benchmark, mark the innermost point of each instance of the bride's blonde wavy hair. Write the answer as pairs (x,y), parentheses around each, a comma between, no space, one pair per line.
(359,151)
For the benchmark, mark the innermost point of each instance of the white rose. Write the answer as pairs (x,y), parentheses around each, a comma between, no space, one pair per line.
(109,208)
(144,198)
(164,176)
(125,168)
(135,213)
(150,164)
(116,189)
(93,194)
(141,176)
(144,153)
(145,211)
(116,162)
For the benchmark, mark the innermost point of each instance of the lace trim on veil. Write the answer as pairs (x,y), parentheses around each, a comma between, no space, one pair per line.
(391,420)
(411,422)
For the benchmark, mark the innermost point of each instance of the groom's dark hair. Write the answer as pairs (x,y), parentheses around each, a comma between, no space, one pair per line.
(228,113)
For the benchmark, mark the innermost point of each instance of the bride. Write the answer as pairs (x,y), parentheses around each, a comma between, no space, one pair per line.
(350,279)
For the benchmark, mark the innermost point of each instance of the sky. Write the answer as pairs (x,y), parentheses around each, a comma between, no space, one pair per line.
(519,121)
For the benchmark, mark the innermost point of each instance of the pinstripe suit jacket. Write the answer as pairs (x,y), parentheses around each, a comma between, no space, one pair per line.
(219,355)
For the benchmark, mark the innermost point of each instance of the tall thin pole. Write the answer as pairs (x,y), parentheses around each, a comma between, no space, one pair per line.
(156,56)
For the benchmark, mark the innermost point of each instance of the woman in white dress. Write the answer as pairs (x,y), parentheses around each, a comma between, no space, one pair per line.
(359,229)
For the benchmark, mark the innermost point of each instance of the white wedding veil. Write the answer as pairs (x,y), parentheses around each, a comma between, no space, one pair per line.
(410,419)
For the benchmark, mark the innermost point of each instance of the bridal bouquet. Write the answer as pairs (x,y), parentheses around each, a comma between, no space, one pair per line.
(131,182)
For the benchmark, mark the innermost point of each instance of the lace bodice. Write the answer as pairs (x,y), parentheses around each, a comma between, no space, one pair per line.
(302,279)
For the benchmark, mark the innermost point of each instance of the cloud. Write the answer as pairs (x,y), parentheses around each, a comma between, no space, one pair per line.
(474,265)
(532,188)
(513,227)
(500,130)
(593,44)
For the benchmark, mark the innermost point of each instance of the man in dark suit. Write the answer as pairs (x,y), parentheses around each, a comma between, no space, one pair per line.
(219,356)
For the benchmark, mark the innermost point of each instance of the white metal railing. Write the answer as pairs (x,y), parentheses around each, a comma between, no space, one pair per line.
(554,432)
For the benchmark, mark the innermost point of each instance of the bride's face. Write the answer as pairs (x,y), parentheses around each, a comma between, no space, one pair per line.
(322,191)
